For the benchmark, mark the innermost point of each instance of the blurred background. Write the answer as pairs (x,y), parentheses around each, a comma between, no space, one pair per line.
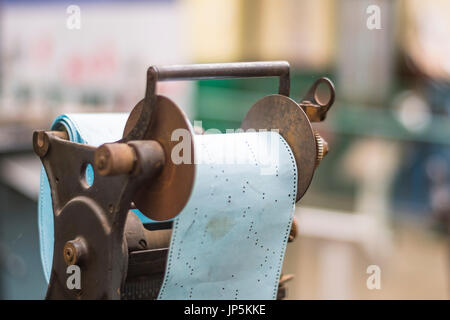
(382,195)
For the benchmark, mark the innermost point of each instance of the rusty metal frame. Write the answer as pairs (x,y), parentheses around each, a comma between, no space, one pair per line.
(94,216)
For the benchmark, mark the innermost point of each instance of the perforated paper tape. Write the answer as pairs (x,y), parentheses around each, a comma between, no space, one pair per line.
(93,129)
(230,239)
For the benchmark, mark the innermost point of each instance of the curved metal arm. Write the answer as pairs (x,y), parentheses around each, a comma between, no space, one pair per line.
(315,109)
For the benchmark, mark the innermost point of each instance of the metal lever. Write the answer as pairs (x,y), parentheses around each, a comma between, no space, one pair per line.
(315,109)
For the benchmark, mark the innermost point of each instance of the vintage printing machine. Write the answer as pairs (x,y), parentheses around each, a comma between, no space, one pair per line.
(93,226)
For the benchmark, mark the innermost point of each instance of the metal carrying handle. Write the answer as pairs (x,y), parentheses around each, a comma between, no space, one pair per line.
(222,71)
(205,72)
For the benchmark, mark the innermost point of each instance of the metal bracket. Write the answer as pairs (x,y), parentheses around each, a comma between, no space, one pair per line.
(89,219)
(315,109)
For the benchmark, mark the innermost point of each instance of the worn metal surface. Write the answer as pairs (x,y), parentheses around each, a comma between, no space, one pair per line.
(96,213)
(227,70)
(135,233)
(146,260)
(316,107)
(139,238)
(285,115)
(145,274)
(114,159)
(165,195)
(41,142)
(75,251)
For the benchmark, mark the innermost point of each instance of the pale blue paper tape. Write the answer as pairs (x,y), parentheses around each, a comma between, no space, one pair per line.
(230,239)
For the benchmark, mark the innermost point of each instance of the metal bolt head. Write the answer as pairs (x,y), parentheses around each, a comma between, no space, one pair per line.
(101,162)
(40,143)
(74,251)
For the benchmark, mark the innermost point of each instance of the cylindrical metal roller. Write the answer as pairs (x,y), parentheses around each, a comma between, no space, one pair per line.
(114,159)
(139,238)
(150,157)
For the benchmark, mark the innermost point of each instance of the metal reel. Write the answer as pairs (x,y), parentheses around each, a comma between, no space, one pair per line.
(165,195)
(281,113)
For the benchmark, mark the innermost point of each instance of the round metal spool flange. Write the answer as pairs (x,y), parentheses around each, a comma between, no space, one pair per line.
(83,216)
(166,194)
(284,114)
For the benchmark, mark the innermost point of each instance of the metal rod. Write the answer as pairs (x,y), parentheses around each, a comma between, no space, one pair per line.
(227,70)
